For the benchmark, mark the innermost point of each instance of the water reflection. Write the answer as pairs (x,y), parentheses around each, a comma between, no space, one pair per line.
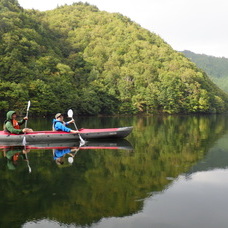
(14,154)
(103,184)
(216,157)
(63,152)
(59,155)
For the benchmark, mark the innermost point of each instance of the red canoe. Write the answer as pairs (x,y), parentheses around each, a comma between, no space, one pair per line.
(57,136)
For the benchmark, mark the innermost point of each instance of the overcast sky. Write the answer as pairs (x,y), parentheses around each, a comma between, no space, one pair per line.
(200,26)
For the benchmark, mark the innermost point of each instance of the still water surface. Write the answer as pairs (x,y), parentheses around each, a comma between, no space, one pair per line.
(172,174)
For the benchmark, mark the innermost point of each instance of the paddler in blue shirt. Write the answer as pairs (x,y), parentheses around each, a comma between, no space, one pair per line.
(60,125)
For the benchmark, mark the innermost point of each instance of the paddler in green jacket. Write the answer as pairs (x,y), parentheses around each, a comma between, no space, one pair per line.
(11,125)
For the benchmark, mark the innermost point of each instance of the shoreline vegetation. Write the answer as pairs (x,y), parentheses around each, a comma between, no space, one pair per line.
(96,63)
(162,115)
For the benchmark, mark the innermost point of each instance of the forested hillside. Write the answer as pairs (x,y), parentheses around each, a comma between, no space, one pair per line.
(216,68)
(96,63)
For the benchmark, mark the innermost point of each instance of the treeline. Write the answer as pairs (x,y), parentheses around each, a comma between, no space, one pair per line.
(216,68)
(95,63)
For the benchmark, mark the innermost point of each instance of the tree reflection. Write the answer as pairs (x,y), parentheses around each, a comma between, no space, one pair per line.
(108,183)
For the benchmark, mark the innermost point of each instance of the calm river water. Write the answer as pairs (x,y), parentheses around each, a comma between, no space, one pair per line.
(172,172)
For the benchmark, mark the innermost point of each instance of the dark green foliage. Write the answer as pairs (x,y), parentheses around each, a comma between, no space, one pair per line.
(216,68)
(97,63)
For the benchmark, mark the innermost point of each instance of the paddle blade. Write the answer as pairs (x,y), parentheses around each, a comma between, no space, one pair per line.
(82,141)
(30,170)
(70,160)
(70,113)
(28,106)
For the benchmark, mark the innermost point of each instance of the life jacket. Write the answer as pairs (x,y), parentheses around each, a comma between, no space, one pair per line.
(15,124)
(15,157)
(53,125)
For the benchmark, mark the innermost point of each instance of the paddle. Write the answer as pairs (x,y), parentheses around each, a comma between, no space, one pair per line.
(70,115)
(24,138)
(26,156)
(71,159)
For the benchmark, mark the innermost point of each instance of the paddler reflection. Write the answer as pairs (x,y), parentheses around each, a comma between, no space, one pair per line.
(61,155)
(14,155)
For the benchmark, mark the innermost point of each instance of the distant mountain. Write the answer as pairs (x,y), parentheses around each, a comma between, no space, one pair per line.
(216,68)
(95,62)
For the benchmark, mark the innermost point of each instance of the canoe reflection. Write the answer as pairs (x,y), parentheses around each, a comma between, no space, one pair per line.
(62,152)
(92,144)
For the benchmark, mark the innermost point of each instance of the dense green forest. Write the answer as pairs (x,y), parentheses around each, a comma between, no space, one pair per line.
(216,68)
(95,62)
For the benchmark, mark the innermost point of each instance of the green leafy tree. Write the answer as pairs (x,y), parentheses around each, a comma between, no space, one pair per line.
(98,63)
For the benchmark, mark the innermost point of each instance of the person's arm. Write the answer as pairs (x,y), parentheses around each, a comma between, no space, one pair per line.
(60,127)
(69,122)
(11,129)
(20,122)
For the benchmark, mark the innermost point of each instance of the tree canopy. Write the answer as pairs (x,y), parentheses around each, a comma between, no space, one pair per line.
(215,67)
(96,63)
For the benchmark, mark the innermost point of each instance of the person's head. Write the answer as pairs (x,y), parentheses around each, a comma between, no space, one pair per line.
(11,115)
(59,116)
(14,116)
(59,161)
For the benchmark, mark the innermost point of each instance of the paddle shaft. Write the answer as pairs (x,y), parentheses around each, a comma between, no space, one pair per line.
(26,121)
(70,115)
(24,138)
(81,139)
(75,125)
(29,167)
(27,114)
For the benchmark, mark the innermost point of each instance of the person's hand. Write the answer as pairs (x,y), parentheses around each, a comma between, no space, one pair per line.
(73,131)
(71,121)
(25,151)
(26,118)
(74,150)
(27,130)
